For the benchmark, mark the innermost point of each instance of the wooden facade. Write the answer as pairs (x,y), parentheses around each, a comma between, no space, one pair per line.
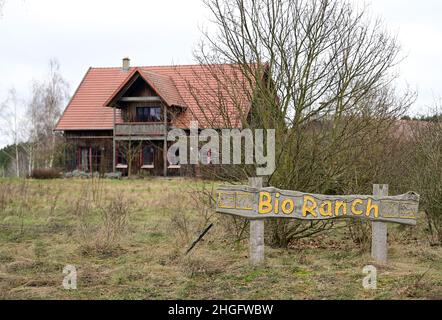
(136,145)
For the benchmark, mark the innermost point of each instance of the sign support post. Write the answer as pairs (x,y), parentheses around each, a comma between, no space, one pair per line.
(379,246)
(256,243)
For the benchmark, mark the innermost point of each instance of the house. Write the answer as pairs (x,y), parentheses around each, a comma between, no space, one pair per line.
(118,118)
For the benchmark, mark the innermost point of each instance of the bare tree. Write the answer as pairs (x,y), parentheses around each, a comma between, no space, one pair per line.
(9,125)
(44,110)
(29,134)
(425,169)
(2,3)
(318,72)
(131,152)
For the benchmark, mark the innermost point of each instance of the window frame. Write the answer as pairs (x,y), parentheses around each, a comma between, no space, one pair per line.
(150,116)
(85,159)
(178,165)
(144,164)
(120,156)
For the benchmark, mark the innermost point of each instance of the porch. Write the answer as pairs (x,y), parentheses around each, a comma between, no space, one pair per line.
(144,157)
(132,157)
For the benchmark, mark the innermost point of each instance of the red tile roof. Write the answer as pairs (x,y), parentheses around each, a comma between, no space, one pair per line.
(165,87)
(197,88)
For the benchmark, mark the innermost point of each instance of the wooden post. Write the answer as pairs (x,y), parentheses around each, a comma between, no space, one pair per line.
(114,155)
(379,246)
(90,162)
(165,141)
(256,244)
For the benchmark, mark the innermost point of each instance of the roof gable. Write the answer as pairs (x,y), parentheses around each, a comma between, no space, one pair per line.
(161,84)
(165,88)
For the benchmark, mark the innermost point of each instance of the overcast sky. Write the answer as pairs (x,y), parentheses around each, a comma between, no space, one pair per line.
(84,33)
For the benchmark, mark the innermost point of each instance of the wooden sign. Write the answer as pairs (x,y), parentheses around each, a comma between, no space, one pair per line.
(263,203)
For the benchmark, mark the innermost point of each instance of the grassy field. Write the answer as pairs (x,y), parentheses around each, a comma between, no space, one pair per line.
(127,241)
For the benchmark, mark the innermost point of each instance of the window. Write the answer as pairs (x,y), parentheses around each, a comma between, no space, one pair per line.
(148,156)
(177,165)
(83,163)
(121,158)
(149,114)
(89,159)
(97,154)
(206,158)
(209,156)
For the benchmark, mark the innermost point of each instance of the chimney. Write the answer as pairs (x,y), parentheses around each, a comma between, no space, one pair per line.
(126,64)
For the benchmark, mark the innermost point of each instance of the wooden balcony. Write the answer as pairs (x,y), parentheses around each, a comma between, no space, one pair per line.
(141,130)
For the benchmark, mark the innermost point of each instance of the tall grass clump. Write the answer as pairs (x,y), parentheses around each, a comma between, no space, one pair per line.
(102,219)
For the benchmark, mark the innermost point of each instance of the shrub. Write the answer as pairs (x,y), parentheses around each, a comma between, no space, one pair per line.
(68,175)
(115,220)
(113,175)
(43,173)
(77,174)
(426,173)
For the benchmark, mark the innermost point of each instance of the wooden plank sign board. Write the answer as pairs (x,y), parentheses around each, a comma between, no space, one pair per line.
(267,203)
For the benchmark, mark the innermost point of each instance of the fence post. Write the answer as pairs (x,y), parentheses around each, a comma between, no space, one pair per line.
(256,243)
(379,246)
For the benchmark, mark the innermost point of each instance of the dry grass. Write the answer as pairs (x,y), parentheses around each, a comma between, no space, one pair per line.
(128,238)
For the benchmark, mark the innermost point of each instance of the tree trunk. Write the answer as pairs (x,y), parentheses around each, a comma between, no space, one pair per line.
(17,163)
(51,160)
(30,161)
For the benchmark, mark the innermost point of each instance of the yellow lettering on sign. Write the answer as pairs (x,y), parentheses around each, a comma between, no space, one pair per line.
(326,212)
(372,207)
(309,209)
(288,206)
(277,203)
(265,203)
(354,210)
(340,205)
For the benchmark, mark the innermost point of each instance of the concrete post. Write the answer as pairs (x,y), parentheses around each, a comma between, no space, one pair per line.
(379,246)
(256,244)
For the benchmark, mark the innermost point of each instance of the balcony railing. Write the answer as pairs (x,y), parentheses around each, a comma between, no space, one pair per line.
(140,129)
